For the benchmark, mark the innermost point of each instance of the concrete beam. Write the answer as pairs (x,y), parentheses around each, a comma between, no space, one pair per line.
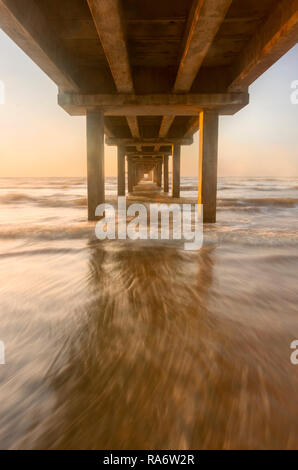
(133,126)
(145,160)
(155,105)
(95,161)
(148,154)
(192,127)
(29,29)
(108,132)
(149,142)
(107,17)
(205,19)
(208,164)
(165,126)
(271,41)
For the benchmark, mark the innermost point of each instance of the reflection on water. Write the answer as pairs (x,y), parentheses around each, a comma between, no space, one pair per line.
(127,345)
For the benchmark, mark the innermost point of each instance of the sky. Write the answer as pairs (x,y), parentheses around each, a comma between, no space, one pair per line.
(38,138)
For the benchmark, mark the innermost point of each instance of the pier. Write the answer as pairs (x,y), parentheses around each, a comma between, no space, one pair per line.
(147,75)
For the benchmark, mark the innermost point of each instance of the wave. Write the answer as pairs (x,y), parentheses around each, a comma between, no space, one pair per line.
(223,188)
(38,252)
(49,232)
(261,202)
(46,201)
(221,234)
(189,188)
(11,198)
(61,200)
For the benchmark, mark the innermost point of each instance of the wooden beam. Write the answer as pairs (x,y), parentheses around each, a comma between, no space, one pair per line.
(29,29)
(205,19)
(107,17)
(278,35)
(154,105)
(148,141)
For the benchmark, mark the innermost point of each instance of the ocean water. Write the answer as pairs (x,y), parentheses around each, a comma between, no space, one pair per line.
(135,345)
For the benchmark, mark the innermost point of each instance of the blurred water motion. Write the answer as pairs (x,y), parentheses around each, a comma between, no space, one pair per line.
(141,345)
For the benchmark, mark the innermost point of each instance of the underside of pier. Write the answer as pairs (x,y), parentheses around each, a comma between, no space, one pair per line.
(148,74)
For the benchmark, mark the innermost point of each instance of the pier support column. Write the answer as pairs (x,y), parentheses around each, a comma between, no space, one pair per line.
(95,161)
(176,171)
(159,174)
(121,171)
(208,164)
(155,174)
(166,173)
(130,175)
(134,174)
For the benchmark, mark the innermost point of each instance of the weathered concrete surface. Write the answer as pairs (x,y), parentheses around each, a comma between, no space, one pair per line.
(166,174)
(204,22)
(121,170)
(176,171)
(95,161)
(208,164)
(187,104)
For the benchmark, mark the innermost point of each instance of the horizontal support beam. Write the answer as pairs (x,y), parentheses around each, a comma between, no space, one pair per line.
(145,159)
(152,163)
(271,41)
(29,29)
(133,126)
(192,127)
(165,126)
(204,22)
(148,142)
(155,105)
(150,154)
(107,16)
